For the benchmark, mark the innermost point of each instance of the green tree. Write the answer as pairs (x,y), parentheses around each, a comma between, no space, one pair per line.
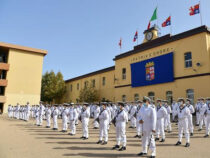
(53,86)
(89,95)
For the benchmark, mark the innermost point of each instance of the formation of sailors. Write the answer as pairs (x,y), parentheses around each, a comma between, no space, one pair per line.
(151,120)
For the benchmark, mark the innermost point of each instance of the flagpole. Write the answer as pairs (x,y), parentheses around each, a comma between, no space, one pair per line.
(157,12)
(137,36)
(171,26)
(200,13)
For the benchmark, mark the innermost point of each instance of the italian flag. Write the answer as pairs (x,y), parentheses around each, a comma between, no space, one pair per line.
(154,17)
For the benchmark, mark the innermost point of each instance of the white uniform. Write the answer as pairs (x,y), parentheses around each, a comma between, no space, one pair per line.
(207,113)
(95,116)
(37,115)
(85,115)
(104,122)
(132,117)
(202,117)
(48,116)
(183,114)
(149,116)
(138,125)
(73,116)
(167,121)
(190,118)
(55,118)
(41,113)
(174,109)
(161,114)
(121,119)
(28,111)
(197,109)
(64,119)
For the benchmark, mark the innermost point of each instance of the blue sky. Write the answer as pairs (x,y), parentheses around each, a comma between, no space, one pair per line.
(82,36)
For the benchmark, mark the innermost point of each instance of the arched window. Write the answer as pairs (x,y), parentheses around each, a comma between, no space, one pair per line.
(190,95)
(151,95)
(169,97)
(136,97)
(124,98)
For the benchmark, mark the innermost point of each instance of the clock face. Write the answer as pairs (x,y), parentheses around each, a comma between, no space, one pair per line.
(149,36)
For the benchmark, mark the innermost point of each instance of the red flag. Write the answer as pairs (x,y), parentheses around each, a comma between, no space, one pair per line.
(148,27)
(120,43)
(195,9)
(135,36)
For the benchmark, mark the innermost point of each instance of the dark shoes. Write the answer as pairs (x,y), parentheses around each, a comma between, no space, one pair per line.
(116,147)
(199,129)
(162,140)
(85,138)
(157,139)
(187,145)
(104,143)
(191,134)
(99,142)
(142,154)
(178,143)
(206,136)
(122,148)
(137,136)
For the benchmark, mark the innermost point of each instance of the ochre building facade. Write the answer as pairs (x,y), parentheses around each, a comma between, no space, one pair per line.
(190,72)
(20,75)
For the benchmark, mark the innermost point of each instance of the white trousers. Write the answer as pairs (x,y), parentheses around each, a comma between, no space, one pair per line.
(202,120)
(183,126)
(133,121)
(55,121)
(72,127)
(85,128)
(120,133)
(160,128)
(64,123)
(138,128)
(103,131)
(168,123)
(208,124)
(148,140)
(48,121)
(190,124)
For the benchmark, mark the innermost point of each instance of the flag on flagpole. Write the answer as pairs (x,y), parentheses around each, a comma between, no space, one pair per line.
(135,36)
(120,43)
(194,10)
(167,22)
(154,17)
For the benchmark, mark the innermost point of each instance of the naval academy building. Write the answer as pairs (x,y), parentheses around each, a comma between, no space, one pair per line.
(164,67)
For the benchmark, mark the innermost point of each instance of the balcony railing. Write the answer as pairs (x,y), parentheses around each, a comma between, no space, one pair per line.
(4,66)
(3,82)
(3,99)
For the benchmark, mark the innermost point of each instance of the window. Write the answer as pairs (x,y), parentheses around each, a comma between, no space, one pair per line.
(77,86)
(124,98)
(188,59)
(190,95)
(151,95)
(93,83)
(124,73)
(103,81)
(2,89)
(71,87)
(86,84)
(136,97)
(169,97)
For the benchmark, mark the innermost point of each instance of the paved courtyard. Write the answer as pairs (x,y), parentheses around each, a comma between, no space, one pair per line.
(19,139)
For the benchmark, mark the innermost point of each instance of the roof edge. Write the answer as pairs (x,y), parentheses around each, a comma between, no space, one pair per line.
(13,46)
(162,40)
(92,73)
